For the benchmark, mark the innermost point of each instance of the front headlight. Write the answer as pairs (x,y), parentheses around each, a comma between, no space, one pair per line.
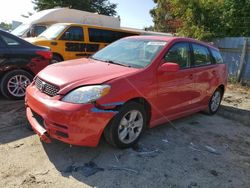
(86,94)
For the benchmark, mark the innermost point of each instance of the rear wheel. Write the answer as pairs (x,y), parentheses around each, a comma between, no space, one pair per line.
(214,102)
(14,83)
(56,59)
(127,126)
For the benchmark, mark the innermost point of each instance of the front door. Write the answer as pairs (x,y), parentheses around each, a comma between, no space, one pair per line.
(175,89)
(72,41)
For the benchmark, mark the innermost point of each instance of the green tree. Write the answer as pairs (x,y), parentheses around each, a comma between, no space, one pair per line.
(236,17)
(203,19)
(5,26)
(99,6)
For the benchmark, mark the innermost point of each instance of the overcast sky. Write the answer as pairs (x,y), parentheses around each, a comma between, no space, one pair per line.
(133,13)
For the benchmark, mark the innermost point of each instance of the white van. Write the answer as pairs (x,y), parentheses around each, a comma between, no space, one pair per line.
(40,21)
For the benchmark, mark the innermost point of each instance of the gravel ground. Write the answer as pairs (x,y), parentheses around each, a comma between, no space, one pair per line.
(196,151)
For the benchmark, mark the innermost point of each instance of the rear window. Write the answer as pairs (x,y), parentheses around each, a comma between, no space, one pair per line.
(201,55)
(217,56)
(10,41)
(106,36)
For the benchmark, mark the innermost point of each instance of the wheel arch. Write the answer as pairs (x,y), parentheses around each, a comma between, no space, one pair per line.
(59,55)
(146,104)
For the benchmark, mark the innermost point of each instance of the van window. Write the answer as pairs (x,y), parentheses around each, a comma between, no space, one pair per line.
(217,56)
(201,55)
(39,29)
(179,53)
(73,33)
(106,36)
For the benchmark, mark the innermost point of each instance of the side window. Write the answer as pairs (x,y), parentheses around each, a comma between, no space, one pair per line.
(118,35)
(201,55)
(10,41)
(100,35)
(106,36)
(217,56)
(179,53)
(73,34)
(39,29)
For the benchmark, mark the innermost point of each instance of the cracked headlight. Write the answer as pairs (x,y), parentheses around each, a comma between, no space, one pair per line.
(86,94)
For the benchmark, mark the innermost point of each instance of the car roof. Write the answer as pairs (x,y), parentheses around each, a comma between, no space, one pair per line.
(172,39)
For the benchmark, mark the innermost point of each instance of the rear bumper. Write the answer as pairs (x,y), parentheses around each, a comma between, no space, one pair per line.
(76,124)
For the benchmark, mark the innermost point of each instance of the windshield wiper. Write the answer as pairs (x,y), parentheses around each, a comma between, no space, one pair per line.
(110,61)
(116,63)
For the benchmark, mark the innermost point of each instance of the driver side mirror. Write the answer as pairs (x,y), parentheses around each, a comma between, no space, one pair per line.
(169,67)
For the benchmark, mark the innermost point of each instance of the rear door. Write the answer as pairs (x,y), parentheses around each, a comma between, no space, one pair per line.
(175,90)
(205,74)
(72,43)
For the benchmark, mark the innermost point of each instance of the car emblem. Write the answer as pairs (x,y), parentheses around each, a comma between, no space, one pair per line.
(42,86)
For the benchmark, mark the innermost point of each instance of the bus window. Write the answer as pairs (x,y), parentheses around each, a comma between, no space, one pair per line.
(73,33)
(106,36)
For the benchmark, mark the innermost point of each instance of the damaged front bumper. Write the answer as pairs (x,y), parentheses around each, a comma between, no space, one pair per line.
(76,124)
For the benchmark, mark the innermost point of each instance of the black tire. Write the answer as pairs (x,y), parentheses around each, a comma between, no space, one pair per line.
(212,110)
(5,88)
(111,131)
(56,59)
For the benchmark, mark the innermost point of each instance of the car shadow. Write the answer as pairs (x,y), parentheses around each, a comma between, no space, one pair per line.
(88,164)
(236,114)
(13,121)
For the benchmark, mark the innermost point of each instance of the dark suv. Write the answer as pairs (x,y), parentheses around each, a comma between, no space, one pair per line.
(20,61)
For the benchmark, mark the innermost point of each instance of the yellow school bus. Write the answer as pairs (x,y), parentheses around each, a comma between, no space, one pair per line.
(71,41)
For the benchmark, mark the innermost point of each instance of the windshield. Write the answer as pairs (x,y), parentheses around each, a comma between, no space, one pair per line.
(20,30)
(130,52)
(53,31)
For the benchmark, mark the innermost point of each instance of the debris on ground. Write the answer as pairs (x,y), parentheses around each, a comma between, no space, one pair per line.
(116,158)
(206,148)
(211,150)
(214,172)
(144,151)
(18,145)
(165,140)
(123,169)
(42,173)
(192,184)
(88,169)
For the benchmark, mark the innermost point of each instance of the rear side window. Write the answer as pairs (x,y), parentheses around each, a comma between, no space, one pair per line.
(10,41)
(73,34)
(179,53)
(217,56)
(201,55)
(1,43)
(106,36)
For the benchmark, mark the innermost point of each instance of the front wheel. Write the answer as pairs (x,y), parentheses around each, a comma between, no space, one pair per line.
(14,83)
(214,102)
(127,126)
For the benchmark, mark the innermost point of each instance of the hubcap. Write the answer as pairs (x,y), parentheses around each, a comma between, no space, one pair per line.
(54,61)
(215,103)
(130,126)
(17,85)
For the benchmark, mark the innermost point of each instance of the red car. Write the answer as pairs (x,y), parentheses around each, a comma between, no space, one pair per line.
(132,84)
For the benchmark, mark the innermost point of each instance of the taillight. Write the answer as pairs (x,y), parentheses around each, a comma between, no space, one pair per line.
(45,54)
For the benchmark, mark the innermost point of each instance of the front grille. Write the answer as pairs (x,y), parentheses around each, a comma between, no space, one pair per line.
(46,88)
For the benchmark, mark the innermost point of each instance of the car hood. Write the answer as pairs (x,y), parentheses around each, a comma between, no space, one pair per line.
(71,74)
